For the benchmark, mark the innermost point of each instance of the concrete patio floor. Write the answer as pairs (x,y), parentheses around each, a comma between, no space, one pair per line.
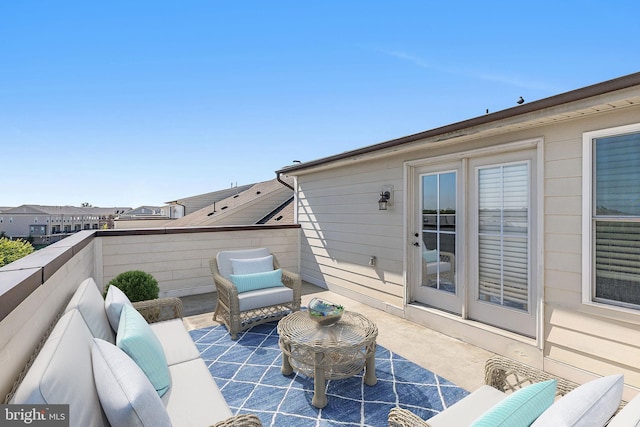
(460,363)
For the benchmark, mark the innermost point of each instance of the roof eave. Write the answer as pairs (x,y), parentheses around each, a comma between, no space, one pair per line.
(520,110)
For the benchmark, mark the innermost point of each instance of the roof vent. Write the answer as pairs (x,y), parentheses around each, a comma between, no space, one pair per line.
(258,192)
(279,218)
(223,208)
(236,196)
(211,213)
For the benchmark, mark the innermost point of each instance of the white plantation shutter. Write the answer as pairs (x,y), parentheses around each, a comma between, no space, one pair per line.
(503,240)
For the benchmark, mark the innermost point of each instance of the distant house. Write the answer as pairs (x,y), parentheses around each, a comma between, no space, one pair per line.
(517,231)
(188,205)
(48,224)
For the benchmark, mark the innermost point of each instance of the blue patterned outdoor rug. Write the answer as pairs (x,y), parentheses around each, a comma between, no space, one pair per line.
(248,374)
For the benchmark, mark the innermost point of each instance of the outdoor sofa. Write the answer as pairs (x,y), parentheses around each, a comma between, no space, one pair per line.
(159,381)
(515,391)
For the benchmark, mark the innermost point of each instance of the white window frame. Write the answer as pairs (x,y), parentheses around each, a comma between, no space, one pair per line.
(587,213)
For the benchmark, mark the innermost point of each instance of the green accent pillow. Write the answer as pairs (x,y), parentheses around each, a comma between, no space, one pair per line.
(255,281)
(136,338)
(520,408)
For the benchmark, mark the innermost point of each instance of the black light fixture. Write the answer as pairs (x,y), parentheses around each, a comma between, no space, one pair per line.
(384,200)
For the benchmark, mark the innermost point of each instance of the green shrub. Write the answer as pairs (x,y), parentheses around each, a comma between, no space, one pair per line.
(136,285)
(12,250)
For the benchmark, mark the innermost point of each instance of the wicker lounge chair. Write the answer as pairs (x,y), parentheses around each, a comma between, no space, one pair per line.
(240,311)
(446,264)
(504,375)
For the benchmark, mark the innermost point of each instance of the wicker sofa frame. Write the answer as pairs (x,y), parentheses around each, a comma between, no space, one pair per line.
(228,305)
(500,373)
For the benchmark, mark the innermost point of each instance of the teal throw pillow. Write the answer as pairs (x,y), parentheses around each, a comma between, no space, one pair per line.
(136,338)
(430,255)
(255,281)
(520,408)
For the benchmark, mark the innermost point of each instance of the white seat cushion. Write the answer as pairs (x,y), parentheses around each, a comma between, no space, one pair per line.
(629,416)
(252,265)
(265,297)
(432,267)
(62,373)
(113,303)
(591,404)
(465,411)
(194,399)
(127,396)
(224,258)
(175,340)
(90,304)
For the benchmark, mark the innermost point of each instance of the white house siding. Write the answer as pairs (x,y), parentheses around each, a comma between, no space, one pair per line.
(596,339)
(342,228)
(180,262)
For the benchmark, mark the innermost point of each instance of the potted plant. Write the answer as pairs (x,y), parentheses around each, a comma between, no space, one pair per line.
(137,285)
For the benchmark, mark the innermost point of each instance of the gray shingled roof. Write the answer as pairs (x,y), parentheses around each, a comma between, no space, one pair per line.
(246,207)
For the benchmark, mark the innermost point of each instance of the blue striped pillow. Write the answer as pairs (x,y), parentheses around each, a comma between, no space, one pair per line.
(520,408)
(255,281)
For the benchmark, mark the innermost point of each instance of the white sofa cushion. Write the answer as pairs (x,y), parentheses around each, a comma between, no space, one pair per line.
(591,404)
(194,399)
(465,411)
(61,373)
(137,339)
(177,344)
(113,303)
(265,298)
(224,258)
(89,302)
(252,265)
(126,394)
(432,267)
(629,416)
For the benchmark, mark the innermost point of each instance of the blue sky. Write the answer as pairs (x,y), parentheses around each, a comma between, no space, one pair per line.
(141,102)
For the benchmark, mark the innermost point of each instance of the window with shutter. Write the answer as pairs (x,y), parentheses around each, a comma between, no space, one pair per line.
(615,219)
(503,235)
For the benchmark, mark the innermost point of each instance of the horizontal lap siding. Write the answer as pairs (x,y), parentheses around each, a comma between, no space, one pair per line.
(595,339)
(180,262)
(342,229)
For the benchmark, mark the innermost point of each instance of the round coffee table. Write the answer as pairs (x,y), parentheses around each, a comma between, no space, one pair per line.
(332,352)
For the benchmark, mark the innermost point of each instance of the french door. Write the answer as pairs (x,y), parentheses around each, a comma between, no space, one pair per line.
(474,240)
(502,279)
(436,239)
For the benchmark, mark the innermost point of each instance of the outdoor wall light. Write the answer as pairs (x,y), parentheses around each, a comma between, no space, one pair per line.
(386,197)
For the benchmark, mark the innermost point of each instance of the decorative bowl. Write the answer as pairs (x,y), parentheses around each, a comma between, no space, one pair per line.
(325,313)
